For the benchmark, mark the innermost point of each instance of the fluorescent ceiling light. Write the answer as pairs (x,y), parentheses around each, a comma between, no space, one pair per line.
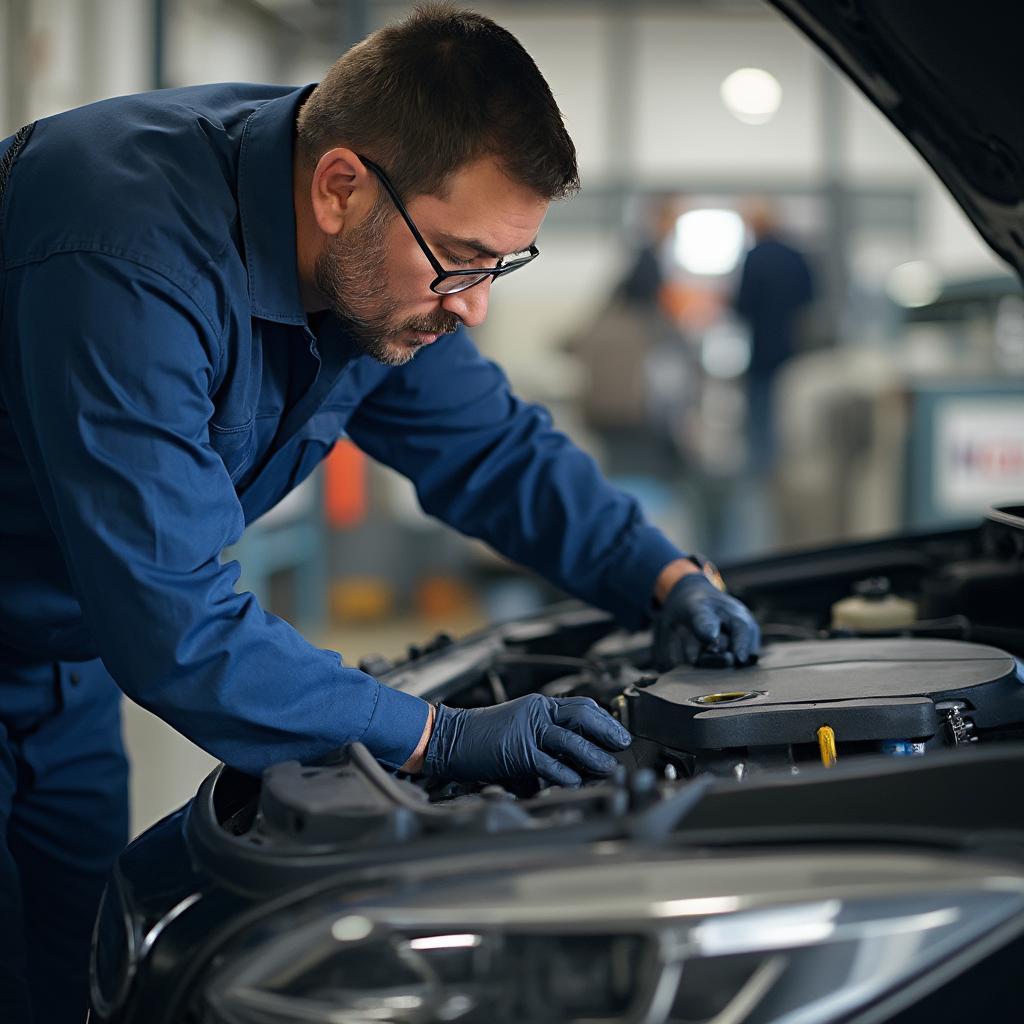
(752,95)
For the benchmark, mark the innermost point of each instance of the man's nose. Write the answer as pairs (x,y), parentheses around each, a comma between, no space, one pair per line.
(470,306)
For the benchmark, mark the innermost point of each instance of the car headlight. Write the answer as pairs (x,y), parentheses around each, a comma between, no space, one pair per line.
(800,937)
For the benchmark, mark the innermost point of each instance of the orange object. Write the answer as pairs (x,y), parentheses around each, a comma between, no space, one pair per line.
(345,485)
(693,307)
(441,597)
(361,599)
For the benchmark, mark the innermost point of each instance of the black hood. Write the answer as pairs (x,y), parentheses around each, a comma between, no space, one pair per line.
(950,76)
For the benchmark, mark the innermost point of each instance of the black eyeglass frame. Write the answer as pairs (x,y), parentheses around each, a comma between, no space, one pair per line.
(481,273)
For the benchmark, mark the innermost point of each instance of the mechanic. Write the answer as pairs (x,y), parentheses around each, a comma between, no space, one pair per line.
(202,289)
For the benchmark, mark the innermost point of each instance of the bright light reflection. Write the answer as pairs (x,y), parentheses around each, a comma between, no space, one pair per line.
(701,905)
(384,1010)
(445,942)
(912,923)
(351,928)
(725,350)
(752,95)
(402,1002)
(913,284)
(709,241)
(775,928)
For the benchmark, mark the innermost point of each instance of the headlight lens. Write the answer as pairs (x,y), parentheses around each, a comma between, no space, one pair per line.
(807,937)
(426,978)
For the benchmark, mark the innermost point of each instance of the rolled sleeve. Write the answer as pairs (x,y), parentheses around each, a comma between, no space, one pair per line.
(395,727)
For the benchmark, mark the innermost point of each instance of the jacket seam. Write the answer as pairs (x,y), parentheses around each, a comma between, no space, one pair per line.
(233,430)
(8,162)
(243,143)
(139,259)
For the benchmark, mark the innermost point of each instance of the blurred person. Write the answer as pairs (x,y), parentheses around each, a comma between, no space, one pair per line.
(638,367)
(643,283)
(775,287)
(203,288)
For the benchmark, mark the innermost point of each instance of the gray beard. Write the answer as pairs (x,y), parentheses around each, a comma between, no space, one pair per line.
(352,274)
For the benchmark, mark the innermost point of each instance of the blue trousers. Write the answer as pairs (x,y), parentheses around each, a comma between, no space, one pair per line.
(63,821)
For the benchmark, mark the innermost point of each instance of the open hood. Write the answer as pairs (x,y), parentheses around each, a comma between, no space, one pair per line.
(949,75)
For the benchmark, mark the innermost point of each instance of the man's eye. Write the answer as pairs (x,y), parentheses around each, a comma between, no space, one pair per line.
(458,261)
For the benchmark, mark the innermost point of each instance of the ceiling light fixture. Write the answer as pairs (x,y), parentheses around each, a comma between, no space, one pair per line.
(752,95)
(709,241)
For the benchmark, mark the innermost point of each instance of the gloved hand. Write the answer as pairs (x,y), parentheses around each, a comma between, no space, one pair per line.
(699,624)
(525,739)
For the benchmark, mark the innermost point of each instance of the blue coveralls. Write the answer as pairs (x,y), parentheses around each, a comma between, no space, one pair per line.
(160,388)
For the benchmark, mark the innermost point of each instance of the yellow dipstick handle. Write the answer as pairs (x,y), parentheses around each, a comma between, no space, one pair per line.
(827,746)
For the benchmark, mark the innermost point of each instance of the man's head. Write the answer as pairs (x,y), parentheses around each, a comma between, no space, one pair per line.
(762,217)
(454,111)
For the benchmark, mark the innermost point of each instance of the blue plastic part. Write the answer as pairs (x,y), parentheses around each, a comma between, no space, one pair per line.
(902,748)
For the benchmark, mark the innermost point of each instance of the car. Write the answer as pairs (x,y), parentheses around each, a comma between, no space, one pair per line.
(833,834)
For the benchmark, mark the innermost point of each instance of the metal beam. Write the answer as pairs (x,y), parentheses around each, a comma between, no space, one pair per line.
(16,70)
(352,23)
(833,123)
(158,50)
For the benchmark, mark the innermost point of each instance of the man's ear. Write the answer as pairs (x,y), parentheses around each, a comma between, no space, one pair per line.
(341,190)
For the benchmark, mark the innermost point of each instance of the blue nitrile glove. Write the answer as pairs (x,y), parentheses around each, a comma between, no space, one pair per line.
(699,624)
(525,739)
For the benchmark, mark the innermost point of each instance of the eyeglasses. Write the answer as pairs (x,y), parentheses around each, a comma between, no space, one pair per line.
(448,282)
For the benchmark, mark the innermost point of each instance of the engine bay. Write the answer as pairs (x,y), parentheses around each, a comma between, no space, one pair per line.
(892,650)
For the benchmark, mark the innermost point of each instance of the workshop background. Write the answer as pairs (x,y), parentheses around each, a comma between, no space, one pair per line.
(889,397)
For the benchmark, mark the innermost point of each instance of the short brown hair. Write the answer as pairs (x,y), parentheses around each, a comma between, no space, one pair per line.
(426,95)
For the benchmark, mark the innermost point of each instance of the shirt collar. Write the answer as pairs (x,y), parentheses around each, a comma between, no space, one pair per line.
(266,208)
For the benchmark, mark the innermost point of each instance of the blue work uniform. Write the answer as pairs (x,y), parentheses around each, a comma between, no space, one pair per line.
(161,386)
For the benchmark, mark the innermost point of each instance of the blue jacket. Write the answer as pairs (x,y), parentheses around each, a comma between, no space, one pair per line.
(775,284)
(160,388)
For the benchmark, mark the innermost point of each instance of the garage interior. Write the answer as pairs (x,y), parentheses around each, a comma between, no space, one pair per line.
(899,407)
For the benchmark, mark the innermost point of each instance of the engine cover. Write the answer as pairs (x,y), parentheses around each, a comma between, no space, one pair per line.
(864,689)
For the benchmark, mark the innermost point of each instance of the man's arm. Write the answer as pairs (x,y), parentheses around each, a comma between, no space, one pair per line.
(106,380)
(493,467)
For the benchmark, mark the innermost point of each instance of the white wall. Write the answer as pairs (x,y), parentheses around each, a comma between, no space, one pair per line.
(78,51)
(208,42)
(571,51)
(950,240)
(684,129)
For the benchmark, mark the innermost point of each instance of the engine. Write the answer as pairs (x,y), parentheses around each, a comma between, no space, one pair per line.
(806,702)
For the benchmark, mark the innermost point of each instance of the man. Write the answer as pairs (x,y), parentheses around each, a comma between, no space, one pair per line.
(775,286)
(201,290)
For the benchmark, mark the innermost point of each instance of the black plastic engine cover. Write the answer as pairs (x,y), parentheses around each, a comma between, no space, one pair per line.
(864,689)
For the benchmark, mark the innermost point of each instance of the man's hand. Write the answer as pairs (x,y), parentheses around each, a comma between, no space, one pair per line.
(527,739)
(699,624)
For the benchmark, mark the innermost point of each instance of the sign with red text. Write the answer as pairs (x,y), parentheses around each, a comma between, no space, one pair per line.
(979,453)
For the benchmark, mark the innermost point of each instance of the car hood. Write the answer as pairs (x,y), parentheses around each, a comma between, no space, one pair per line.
(950,78)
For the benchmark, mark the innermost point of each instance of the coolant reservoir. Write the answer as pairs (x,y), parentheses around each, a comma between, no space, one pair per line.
(872,606)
